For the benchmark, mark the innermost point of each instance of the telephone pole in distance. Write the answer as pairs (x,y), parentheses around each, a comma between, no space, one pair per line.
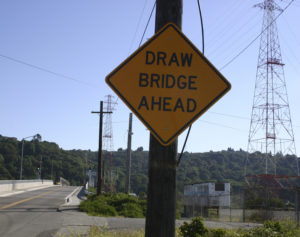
(100,173)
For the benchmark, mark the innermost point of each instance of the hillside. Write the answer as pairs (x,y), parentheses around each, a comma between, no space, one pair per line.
(194,167)
(67,164)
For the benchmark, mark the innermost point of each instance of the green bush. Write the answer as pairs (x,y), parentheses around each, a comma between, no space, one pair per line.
(272,229)
(118,200)
(268,229)
(217,232)
(93,190)
(276,202)
(260,216)
(100,207)
(274,225)
(131,210)
(259,202)
(143,204)
(194,229)
(97,205)
(106,210)
(114,204)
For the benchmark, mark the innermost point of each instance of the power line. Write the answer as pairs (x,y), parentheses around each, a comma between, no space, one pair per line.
(146,27)
(297,41)
(190,127)
(228,42)
(147,24)
(296,3)
(139,22)
(218,21)
(230,115)
(222,125)
(224,36)
(244,49)
(46,70)
(222,114)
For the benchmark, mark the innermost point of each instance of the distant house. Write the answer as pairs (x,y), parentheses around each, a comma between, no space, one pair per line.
(199,198)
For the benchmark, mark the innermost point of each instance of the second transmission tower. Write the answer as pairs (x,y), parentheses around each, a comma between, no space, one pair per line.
(108,145)
(271,129)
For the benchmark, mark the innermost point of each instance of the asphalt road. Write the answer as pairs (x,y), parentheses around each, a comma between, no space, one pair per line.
(36,214)
(33,214)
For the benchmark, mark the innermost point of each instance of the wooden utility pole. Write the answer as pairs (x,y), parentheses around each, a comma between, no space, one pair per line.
(129,154)
(100,173)
(52,168)
(161,196)
(40,170)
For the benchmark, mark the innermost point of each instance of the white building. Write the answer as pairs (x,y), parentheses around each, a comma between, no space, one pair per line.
(200,197)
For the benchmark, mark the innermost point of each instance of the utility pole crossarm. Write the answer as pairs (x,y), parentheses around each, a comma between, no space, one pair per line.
(96,112)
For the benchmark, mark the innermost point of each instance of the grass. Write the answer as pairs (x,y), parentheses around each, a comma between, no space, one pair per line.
(104,232)
(269,229)
(95,231)
(121,204)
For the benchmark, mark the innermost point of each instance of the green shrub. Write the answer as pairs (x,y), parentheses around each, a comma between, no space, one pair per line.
(194,229)
(276,202)
(258,202)
(270,229)
(114,204)
(217,232)
(97,205)
(178,214)
(143,204)
(274,225)
(260,216)
(131,210)
(93,190)
(105,210)
(119,200)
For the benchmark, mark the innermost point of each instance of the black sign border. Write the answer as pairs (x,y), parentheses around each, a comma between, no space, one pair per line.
(173,137)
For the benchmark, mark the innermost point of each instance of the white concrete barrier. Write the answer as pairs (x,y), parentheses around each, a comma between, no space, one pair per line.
(14,185)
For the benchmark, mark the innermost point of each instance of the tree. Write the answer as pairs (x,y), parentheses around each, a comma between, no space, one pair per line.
(140,148)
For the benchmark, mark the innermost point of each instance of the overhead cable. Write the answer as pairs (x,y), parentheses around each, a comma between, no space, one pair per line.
(190,127)
(46,70)
(244,49)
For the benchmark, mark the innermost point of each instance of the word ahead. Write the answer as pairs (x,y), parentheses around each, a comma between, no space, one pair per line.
(168,83)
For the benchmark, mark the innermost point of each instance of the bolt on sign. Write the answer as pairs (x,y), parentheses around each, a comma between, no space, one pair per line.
(168,83)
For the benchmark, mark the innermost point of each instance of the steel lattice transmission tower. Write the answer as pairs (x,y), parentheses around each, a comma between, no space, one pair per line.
(108,131)
(271,129)
(108,145)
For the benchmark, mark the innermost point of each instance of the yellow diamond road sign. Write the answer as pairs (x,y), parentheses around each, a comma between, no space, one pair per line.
(168,83)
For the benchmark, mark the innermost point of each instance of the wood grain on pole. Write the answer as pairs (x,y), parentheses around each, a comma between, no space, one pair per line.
(99,186)
(161,195)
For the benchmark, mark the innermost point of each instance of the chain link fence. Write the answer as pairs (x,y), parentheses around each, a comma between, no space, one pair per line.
(244,204)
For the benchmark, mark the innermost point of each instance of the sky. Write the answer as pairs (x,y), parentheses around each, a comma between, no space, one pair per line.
(55,55)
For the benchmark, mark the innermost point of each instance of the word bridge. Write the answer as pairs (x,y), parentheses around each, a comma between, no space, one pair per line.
(168,83)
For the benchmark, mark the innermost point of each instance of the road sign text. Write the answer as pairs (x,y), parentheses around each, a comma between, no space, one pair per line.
(168,83)
(162,58)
